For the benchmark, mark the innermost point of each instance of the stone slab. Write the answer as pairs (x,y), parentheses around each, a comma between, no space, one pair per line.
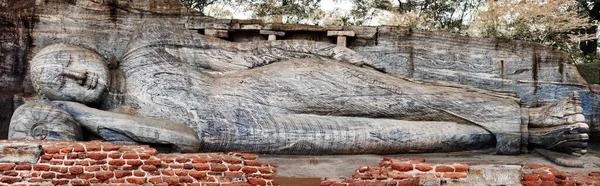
(341,33)
(216,33)
(271,32)
(20,152)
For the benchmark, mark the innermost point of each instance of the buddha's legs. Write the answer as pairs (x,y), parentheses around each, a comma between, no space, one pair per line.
(331,98)
(313,134)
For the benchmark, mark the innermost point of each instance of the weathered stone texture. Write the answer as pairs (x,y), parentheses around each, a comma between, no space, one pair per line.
(16,26)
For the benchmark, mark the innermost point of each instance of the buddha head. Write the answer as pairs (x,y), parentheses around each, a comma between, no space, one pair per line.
(70,73)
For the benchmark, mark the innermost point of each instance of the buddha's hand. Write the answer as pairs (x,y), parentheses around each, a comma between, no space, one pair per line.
(83,78)
(43,121)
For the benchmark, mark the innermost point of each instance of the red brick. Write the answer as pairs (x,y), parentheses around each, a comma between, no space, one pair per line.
(93,148)
(249,170)
(423,167)
(93,168)
(127,167)
(181,172)
(185,179)
(11,173)
(199,160)
(10,180)
(234,174)
(66,150)
(201,166)
(118,180)
(139,173)
(138,181)
(144,156)
(130,155)
(35,180)
(454,175)
(155,180)
(116,162)
(548,183)
(530,177)
(460,168)
(72,156)
(114,155)
(182,160)
(23,167)
(7,166)
(188,166)
(252,163)
(68,162)
(48,175)
(65,176)
(176,166)
(264,170)
(234,167)
(76,170)
(103,175)
(110,147)
(444,168)
(232,160)
(547,177)
(218,167)
(120,174)
(80,163)
(171,180)
(58,156)
(213,173)
(80,182)
(46,156)
(402,167)
(60,182)
(197,174)
(398,175)
(97,156)
(78,148)
(247,156)
(135,162)
(148,167)
(51,150)
(86,175)
(254,181)
(152,162)
(168,172)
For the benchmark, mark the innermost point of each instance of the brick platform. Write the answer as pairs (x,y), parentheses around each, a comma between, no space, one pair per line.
(103,163)
(400,171)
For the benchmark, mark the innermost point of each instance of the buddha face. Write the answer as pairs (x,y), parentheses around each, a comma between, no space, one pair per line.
(70,73)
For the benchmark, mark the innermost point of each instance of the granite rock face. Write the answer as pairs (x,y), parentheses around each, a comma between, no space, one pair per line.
(236,95)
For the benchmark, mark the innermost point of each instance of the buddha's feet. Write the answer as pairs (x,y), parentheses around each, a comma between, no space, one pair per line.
(560,126)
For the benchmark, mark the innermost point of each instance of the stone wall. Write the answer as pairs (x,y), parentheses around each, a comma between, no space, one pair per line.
(103,163)
(415,171)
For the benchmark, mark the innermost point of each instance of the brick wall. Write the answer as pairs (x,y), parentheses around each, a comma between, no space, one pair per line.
(103,163)
(400,171)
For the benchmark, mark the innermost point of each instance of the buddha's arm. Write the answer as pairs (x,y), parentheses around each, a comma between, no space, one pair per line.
(266,52)
(144,130)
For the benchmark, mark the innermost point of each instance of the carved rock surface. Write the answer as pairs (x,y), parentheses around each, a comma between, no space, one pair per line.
(538,74)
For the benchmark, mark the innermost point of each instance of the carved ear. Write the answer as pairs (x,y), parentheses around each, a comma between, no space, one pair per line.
(43,121)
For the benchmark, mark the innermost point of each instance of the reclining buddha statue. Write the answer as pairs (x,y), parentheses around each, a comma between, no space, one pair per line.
(189,92)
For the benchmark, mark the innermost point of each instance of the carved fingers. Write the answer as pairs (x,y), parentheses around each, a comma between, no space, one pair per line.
(83,78)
